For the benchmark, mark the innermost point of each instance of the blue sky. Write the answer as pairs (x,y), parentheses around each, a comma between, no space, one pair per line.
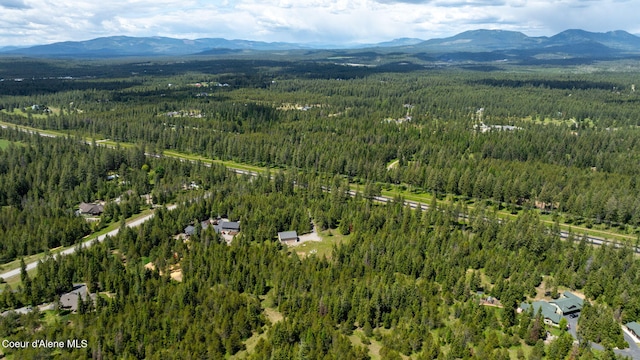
(31,22)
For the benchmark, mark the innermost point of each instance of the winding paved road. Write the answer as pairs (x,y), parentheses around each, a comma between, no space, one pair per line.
(85,244)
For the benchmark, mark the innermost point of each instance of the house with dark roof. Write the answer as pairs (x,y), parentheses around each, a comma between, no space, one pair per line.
(228,227)
(568,303)
(288,237)
(91,209)
(551,317)
(69,301)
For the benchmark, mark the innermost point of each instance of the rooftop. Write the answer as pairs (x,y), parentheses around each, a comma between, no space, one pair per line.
(227,226)
(287,235)
(93,209)
(634,326)
(548,310)
(568,303)
(70,299)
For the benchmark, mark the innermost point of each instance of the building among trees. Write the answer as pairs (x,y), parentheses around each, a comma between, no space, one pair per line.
(288,237)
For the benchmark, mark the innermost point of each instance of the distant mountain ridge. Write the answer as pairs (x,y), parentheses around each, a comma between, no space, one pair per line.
(619,39)
(494,43)
(488,40)
(146,46)
(483,40)
(569,46)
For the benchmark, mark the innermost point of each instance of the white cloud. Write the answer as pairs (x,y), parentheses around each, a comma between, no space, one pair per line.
(329,21)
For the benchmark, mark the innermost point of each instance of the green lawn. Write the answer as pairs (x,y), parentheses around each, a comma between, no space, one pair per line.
(329,237)
(27,259)
(227,163)
(373,347)
(21,112)
(113,144)
(14,281)
(4,144)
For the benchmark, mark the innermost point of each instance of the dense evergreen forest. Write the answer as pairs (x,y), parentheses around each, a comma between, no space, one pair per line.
(440,283)
(574,147)
(407,279)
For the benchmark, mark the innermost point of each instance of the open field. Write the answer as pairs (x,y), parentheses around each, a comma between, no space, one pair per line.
(21,112)
(15,281)
(330,238)
(227,163)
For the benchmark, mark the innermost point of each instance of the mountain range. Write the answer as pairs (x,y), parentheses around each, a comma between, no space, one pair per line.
(478,45)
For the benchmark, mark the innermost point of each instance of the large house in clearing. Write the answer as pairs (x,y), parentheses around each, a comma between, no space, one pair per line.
(552,311)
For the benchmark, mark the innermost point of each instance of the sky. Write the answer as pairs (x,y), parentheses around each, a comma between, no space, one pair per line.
(342,22)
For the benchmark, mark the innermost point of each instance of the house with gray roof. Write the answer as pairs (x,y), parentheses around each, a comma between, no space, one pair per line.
(69,301)
(551,317)
(227,227)
(205,224)
(91,209)
(288,237)
(568,303)
(190,230)
(633,328)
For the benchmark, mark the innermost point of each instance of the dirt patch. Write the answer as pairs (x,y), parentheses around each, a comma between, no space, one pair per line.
(176,275)
(182,237)
(273,315)
(485,303)
(175,272)
(309,237)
